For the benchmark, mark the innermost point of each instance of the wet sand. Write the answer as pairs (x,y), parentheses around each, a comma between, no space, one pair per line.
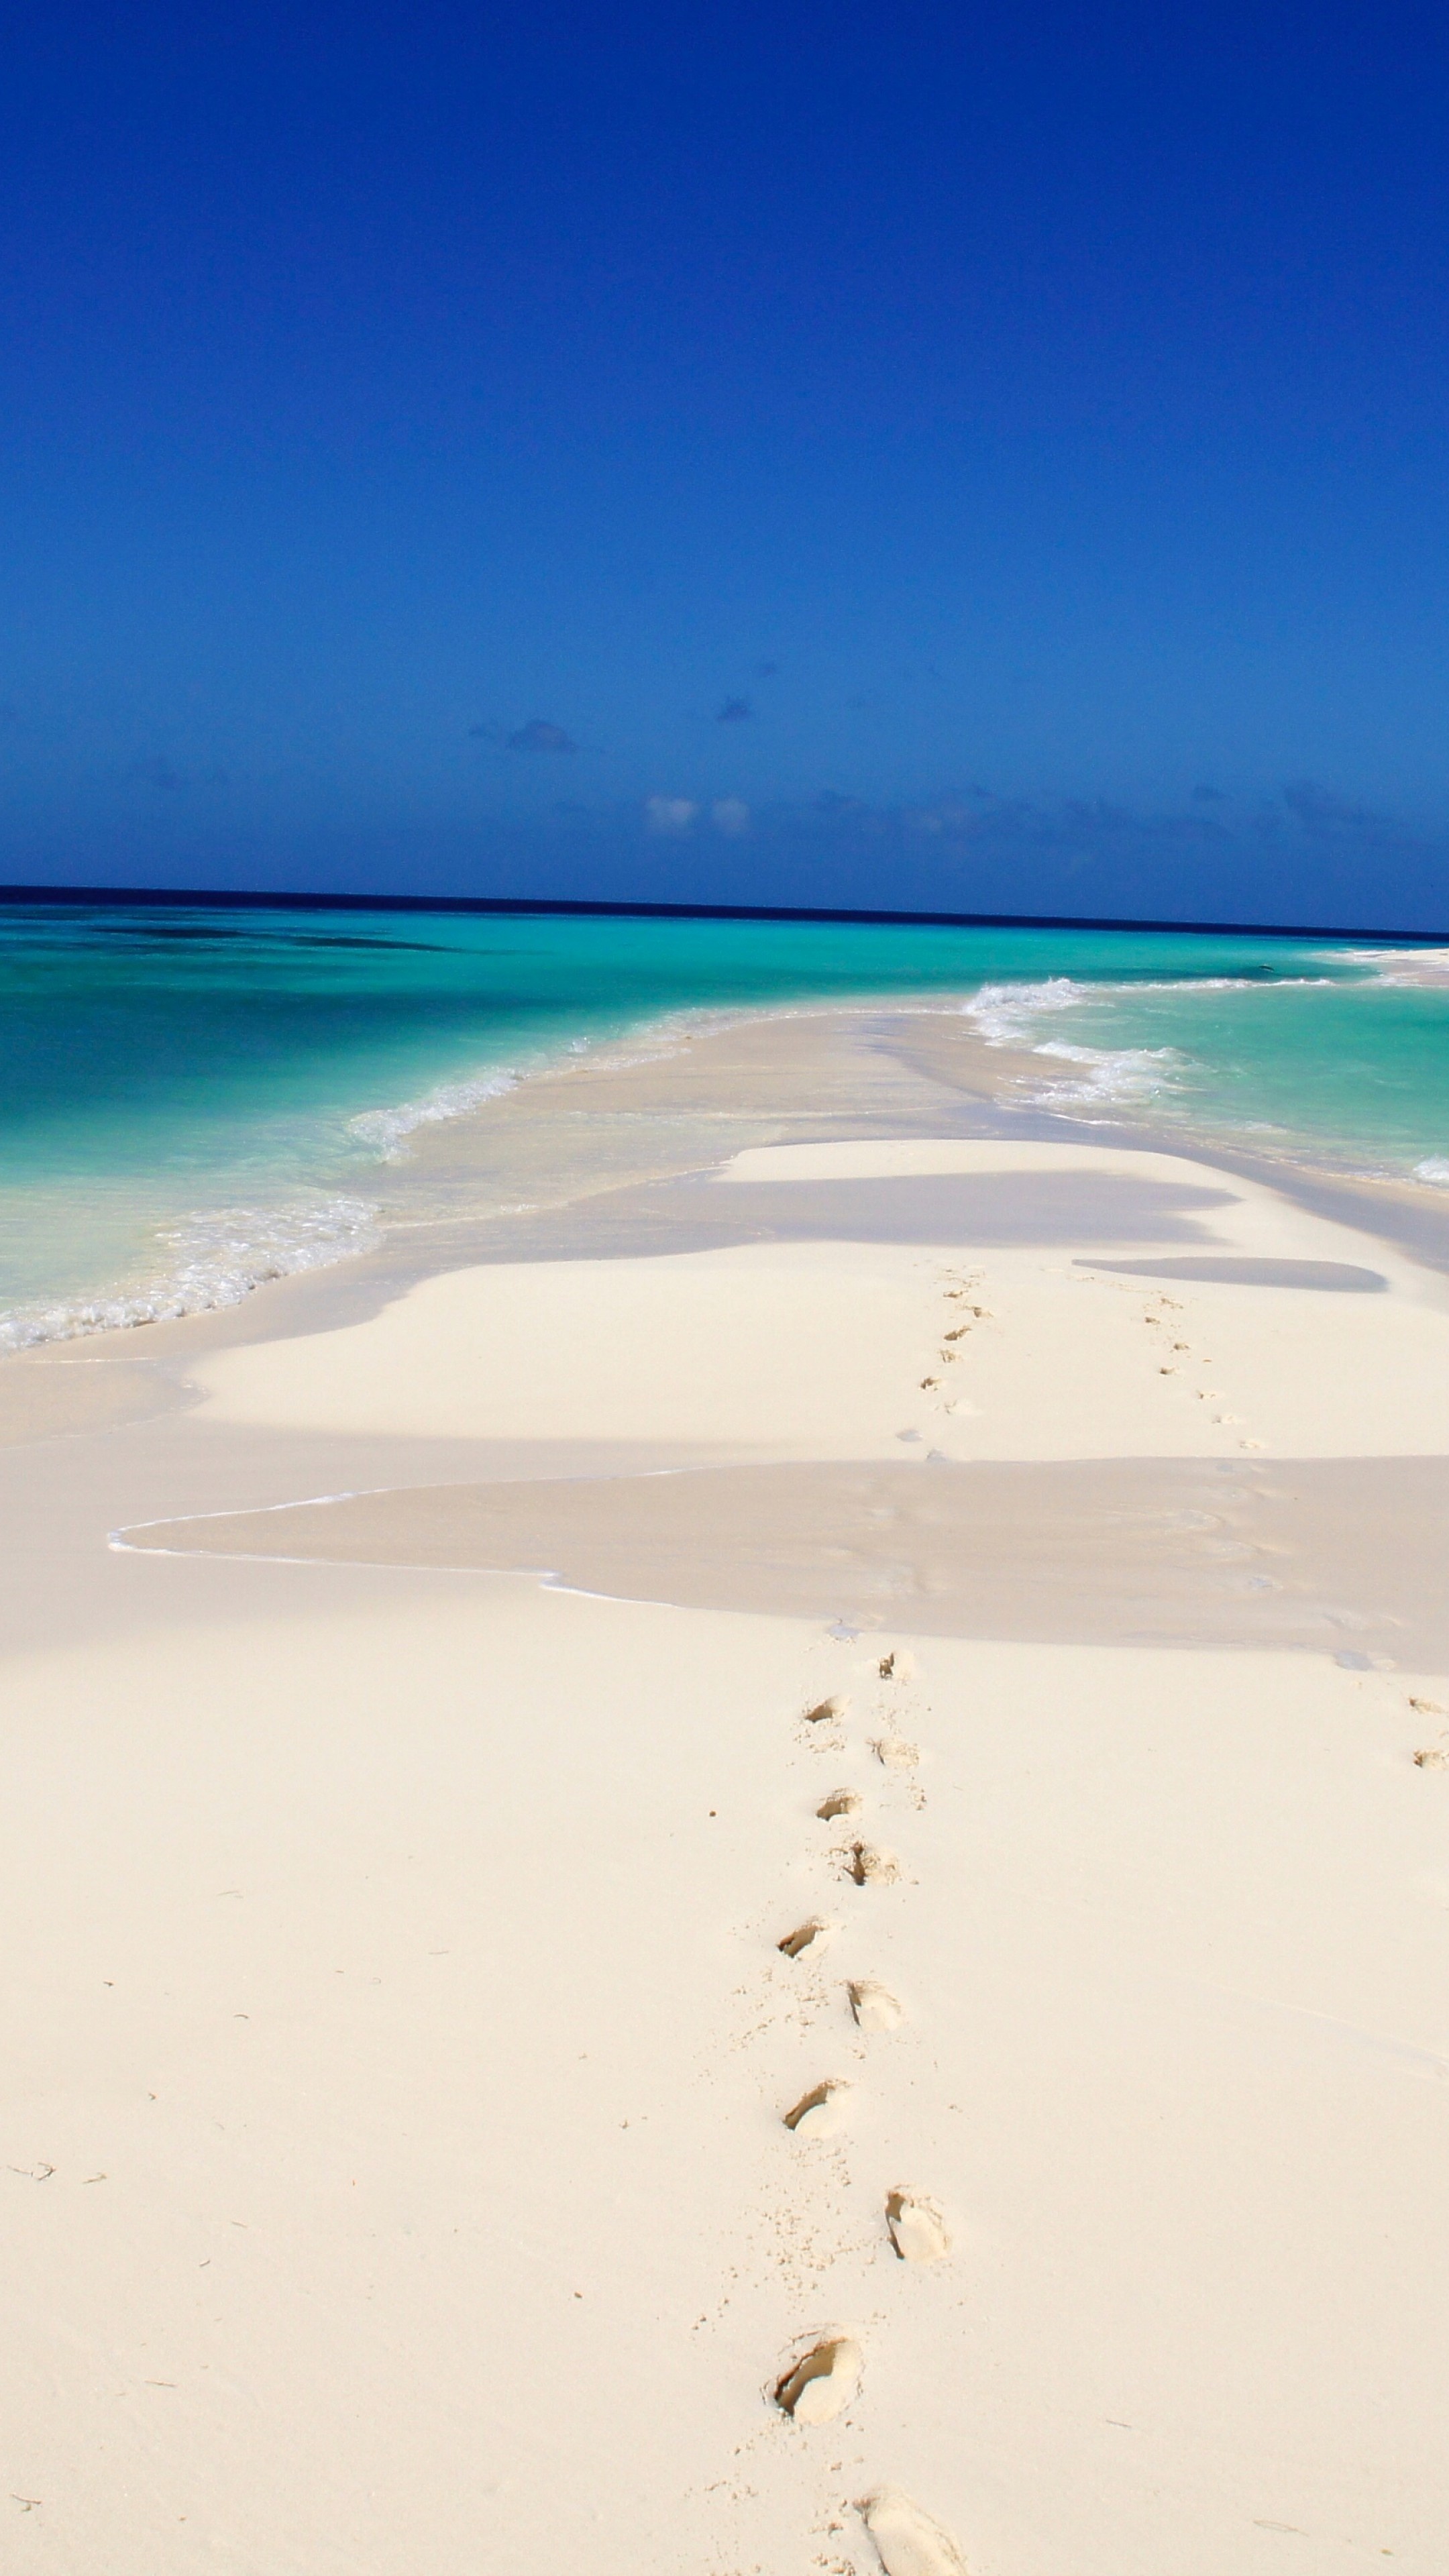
(1101,1552)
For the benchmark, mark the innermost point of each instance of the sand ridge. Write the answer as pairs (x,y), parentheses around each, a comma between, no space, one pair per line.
(847,1348)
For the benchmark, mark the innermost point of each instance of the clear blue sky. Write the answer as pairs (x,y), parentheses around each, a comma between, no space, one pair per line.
(991,459)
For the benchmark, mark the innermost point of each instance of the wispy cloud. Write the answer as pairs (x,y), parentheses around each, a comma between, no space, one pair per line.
(669,813)
(730,815)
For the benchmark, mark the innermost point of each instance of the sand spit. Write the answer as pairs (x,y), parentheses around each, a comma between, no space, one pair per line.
(888,2015)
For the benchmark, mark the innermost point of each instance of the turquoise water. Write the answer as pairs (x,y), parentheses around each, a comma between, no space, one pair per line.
(1340,1057)
(192,1100)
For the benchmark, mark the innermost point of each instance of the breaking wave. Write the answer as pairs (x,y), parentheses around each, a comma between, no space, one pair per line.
(388,1130)
(1011,1015)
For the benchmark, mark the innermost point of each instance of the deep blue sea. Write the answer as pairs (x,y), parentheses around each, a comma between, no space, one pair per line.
(194,1100)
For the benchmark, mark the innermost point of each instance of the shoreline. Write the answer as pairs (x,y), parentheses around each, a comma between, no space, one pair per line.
(427,1181)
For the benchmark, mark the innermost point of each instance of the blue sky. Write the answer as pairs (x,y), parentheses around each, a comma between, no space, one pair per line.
(972,459)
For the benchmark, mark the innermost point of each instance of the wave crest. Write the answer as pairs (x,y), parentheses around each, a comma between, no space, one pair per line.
(388,1130)
(1008,1015)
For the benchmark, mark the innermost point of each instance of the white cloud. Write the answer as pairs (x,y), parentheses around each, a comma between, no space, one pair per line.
(669,813)
(730,814)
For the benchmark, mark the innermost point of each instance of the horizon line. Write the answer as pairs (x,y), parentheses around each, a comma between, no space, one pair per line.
(214,899)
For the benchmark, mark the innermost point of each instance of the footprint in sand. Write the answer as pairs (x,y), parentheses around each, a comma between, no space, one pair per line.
(917,2229)
(874,2006)
(898,1667)
(835,1706)
(807,1940)
(866,1866)
(816,2387)
(1430,1757)
(841,1802)
(895,1752)
(821,2112)
(908,2542)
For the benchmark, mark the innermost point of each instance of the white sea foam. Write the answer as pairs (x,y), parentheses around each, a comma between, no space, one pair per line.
(1009,1015)
(388,1130)
(216,1259)
(1434,1168)
(1112,1076)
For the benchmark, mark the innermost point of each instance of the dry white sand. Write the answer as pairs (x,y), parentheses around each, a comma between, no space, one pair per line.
(393,2161)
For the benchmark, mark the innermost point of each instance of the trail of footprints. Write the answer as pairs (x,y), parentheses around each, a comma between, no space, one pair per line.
(1164,1317)
(1431,1757)
(821,2380)
(962,1289)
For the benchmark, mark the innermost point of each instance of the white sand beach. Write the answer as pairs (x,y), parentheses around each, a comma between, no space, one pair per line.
(429,1718)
